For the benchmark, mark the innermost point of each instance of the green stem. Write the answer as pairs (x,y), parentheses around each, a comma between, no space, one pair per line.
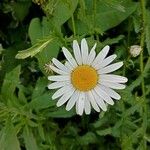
(73,25)
(144,114)
(94,11)
(142,42)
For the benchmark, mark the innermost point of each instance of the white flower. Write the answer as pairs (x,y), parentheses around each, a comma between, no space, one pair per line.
(84,81)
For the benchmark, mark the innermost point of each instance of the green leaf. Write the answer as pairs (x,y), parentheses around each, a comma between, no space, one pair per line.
(138,80)
(8,137)
(41,102)
(38,30)
(148,31)
(20,9)
(61,7)
(104,16)
(29,139)
(10,82)
(40,98)
(39,88)
(61,113)
(88,138)
(32,51)
(104,132)
(107,18)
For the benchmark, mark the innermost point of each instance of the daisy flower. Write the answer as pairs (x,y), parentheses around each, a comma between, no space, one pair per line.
(84,81)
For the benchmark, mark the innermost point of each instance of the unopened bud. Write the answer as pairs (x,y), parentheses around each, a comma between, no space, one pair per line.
(135,50)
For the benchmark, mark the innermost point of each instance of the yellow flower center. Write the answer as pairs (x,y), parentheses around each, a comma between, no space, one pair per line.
(84,78)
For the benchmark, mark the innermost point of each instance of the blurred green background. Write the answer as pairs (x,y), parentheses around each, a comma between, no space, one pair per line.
(31,34)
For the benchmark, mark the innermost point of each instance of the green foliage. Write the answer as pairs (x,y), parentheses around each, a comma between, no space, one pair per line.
(148,31)
(32,51)
(31,34)
(8,137)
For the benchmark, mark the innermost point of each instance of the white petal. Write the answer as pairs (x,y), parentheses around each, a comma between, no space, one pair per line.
(77,52)
(59,78)
(92,55)
(110,68)
(59,65)
(110,92)
(65,97)
(87,106)
(72,100)
(104,95)
(113,78)
(99,101)
(80,104)
(100,57)
(92,101)
(67,64)
(62,90)
(56,85)
(107,61)
(113,85)
(84,50)
(59,71)
(69,57)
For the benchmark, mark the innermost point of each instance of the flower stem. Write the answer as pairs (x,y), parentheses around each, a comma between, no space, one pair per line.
(144,113)
(142,42)
(73,25)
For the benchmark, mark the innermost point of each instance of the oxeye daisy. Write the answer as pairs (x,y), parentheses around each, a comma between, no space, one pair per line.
(84,81)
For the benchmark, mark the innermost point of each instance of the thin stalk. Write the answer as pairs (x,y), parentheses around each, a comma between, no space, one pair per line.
(144,114)
(73,25)
(142,42)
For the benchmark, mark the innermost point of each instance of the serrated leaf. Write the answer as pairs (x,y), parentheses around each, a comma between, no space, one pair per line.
(29,139)
(39,88)
(10,82)
(138,80)
(8,138)
(35,49)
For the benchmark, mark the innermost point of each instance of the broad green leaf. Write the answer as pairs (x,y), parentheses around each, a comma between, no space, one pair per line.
(107,18)
(147,31)
(114,4)
(10,82)
(104,16)
(63,10)
(29,139)
(32,51)
(8,138)
(38,30)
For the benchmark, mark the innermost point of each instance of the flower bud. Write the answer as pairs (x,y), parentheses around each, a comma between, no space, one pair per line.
(135,50)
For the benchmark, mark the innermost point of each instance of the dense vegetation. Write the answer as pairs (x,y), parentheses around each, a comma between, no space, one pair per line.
(31,34)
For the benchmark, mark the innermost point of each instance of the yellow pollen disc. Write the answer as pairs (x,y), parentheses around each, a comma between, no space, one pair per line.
(84,78)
